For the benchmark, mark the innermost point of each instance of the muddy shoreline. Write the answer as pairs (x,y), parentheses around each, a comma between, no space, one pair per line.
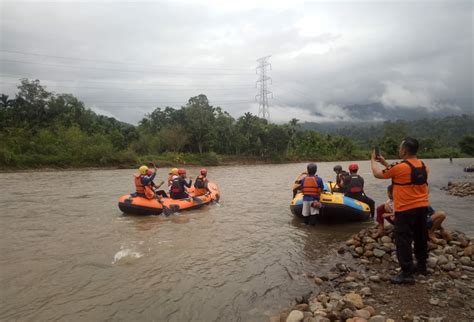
(357,288)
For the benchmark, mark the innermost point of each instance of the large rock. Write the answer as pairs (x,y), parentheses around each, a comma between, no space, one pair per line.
(377,318)
(362,314)
(469,250)
(346,314)
(355,299)
(295,316)
(366,291)
(465,261)
(431,262)
(368,253)
(442,260)
(369,247)
(319,319)
(375,278)
(379,252)
(370,309)
(315,306)
(318,281)
(386,239)
(449,266)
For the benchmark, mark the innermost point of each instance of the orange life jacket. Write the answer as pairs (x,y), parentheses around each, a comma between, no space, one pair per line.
(143,190)
(138,184)
(310,186)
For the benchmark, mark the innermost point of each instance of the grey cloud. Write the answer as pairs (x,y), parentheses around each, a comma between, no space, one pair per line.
(323,54)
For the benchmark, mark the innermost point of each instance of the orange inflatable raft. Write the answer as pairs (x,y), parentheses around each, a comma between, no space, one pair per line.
(143,206)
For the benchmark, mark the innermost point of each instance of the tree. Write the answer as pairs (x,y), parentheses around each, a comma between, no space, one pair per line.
(5,102)
(200,120)
(467,145)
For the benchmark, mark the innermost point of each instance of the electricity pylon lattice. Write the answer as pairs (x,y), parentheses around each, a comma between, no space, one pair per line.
(261,84)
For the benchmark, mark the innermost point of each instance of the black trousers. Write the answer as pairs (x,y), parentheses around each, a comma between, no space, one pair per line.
(363,198)
(410,226)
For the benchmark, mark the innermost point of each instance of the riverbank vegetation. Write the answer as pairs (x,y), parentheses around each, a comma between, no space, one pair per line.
(40,128)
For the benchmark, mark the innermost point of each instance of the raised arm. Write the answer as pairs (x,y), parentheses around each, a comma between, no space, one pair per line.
(375,168)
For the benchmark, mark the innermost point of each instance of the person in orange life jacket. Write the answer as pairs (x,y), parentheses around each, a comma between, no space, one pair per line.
(340,176)
(143,182)
(179,185)
(297,184)
(410,202)
(311,186)
(155,187)
(201,183)
(354,188)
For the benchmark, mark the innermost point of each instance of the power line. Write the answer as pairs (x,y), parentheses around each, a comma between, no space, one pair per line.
(18,76)
(118,70)
(117,62)
(263,108)
(136,89)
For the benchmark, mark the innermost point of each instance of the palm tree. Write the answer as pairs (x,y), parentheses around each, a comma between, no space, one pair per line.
(5,102)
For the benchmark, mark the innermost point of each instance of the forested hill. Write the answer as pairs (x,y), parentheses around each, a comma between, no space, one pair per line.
(39,128)
(445,131)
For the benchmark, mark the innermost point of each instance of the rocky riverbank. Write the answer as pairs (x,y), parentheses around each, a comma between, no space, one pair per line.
(358,287)
(460,189)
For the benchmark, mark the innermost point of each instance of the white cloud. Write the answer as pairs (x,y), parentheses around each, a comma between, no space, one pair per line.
(397,95)
(322,51)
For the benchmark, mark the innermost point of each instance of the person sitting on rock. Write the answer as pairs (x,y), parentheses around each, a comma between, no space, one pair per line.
(433,221)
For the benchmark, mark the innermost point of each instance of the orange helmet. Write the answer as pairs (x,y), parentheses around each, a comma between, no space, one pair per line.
(204,171)
(181,171)
(353,167)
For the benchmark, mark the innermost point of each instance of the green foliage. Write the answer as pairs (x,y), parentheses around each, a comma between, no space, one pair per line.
(467,145)
(40,128)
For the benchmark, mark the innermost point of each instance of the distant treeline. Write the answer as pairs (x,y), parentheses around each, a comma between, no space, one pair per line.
(40,128)
(439,137)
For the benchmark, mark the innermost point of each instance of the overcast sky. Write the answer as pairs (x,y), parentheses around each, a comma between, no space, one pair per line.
(125,59)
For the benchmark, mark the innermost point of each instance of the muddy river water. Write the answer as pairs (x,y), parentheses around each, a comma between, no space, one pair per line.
(68,253)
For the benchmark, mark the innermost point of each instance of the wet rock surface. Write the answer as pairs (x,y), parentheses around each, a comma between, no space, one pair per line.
(460,189)
(358,288)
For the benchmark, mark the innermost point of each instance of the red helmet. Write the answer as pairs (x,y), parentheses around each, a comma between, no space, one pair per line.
(181,171)
(203,171)
(149,172)
(353,167)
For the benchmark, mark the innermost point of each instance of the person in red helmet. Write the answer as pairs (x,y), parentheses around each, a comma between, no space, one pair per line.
(179,185)
(354,188)
(201,183)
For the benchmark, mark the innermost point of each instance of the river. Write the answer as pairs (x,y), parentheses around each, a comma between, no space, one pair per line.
(68,253)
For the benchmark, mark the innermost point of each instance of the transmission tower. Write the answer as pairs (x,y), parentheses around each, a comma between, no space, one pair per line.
(261,84)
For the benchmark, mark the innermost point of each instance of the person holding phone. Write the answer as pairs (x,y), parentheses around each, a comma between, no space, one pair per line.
(410,202)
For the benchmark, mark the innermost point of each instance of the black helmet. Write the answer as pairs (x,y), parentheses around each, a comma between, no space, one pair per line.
(312,168)
(337,168)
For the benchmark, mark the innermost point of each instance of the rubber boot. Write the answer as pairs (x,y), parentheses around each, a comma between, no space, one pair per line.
(306,220)
(403,278)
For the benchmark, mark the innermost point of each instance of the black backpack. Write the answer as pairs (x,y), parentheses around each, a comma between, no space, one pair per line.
(419,176)
(199,183)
